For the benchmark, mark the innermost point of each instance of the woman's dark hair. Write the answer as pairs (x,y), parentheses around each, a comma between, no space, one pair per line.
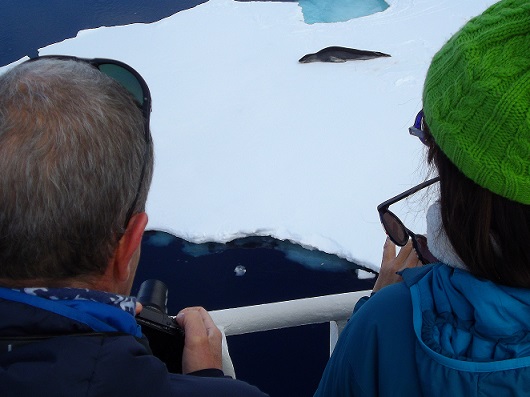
(490,233)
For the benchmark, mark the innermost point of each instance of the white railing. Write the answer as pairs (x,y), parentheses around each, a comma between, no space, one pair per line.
(335,309)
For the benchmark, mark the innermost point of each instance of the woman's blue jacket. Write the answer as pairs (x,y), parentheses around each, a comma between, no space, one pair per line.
(441,332)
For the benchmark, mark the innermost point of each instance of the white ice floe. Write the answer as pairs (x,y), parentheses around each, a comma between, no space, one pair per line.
(250,142)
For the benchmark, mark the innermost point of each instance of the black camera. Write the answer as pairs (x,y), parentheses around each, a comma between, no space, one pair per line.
(166,338)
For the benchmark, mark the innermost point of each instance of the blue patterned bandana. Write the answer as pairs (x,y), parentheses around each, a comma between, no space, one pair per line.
(126,303)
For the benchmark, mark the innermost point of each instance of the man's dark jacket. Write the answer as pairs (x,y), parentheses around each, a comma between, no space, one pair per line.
(79,363)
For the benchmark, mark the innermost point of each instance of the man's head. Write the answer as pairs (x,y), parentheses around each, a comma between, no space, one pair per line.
(72,150)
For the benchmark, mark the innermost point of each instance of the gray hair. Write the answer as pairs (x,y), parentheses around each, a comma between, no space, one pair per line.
(71,153)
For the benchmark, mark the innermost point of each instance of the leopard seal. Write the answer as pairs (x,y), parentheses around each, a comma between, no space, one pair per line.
(340,54)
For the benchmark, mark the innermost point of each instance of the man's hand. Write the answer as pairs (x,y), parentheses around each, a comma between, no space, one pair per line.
(391,263)
(202,342)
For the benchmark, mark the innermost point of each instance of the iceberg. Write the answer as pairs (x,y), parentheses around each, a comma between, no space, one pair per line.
(251,143)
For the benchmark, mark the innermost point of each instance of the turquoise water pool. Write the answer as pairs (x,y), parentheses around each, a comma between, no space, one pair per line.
(326,11)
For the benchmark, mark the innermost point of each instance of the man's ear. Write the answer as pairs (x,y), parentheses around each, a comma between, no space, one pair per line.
(128,246)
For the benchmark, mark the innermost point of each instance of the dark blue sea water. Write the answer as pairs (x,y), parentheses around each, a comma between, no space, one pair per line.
(284,363)
(28,25)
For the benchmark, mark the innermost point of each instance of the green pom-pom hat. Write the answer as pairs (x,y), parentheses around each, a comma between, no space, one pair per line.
(476,99)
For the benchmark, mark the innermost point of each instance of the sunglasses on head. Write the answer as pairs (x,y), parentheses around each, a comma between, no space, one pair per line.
(417,128)
(134,83)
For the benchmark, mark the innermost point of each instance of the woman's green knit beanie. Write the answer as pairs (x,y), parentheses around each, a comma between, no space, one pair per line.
(476,99)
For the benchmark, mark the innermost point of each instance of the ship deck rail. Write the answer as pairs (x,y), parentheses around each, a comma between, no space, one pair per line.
(334,309)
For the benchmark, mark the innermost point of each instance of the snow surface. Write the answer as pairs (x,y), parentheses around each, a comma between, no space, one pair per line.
(250,142)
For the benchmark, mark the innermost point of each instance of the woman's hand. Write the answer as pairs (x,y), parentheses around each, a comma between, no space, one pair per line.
(391,264)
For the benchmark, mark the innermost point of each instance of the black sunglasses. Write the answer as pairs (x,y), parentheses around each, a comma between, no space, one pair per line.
(398,232)
(134,83)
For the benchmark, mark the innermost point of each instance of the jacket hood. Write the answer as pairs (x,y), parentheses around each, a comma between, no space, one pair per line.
(472,335)
(461,317)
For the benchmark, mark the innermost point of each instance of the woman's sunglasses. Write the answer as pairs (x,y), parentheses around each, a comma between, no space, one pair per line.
(131,80)
(398,232)
(394,228)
